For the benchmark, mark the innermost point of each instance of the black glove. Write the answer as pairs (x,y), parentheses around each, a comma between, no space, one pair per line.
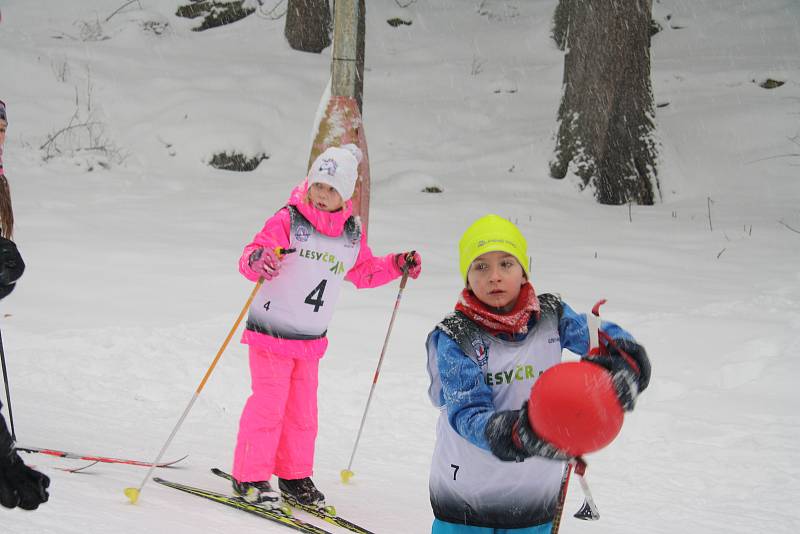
(11,266)
(629,366)
(512,439)
(20,485)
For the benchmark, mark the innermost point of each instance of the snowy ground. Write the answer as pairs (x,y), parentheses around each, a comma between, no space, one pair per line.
(132,283)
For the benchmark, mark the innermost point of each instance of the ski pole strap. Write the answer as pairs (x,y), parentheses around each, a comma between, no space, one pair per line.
(580,466)
(596,307)
(611,343)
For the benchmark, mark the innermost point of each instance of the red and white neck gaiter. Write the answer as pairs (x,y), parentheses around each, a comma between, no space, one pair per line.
(513,322)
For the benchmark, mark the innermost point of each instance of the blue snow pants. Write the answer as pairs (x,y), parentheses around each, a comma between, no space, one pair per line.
(443,527)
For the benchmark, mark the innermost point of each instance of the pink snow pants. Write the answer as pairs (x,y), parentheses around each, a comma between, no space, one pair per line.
(278,426)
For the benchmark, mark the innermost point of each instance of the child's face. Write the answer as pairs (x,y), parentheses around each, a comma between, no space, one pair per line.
(325,197)
(3,127)
(496,278)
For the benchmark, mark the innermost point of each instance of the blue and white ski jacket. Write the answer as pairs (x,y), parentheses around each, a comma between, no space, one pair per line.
(474,375)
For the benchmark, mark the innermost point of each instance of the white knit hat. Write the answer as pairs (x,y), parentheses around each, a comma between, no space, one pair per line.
(337,167)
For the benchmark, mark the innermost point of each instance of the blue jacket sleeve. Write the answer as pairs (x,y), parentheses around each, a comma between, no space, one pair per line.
(573,328)
(464,391)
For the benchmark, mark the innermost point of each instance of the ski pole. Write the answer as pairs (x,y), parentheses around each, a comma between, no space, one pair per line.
(133,493)
(588,510)
(8,391)
(562,497)
(346,474)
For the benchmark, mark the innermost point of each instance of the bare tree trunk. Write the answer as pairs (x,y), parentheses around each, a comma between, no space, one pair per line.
(308,25)
(561,22)
(361,32)
(606,131)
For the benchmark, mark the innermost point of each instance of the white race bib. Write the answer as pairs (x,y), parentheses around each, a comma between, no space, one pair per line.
(299,303)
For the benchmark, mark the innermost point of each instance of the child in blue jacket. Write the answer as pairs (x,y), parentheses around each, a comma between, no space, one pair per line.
(491,473)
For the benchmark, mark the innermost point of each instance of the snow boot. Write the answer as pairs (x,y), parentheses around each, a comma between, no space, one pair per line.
(260,493)
(303,491)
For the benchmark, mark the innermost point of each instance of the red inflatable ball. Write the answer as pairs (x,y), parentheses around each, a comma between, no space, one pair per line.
(573,406)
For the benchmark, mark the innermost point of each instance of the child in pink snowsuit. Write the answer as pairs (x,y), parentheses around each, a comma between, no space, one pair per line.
(314,243)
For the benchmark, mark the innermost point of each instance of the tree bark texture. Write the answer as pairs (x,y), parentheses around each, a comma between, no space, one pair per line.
(361,32)
(308,25)
(341,122)
(561,22)
(606,130)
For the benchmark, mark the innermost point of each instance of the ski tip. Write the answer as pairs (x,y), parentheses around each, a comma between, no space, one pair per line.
(173,462)
(132,494)
(346,475)
(77,469)
(220,473)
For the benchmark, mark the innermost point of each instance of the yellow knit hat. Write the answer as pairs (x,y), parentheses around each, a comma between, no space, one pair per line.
(491,233)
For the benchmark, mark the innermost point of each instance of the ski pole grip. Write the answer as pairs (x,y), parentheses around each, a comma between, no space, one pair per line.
(593,320)
(409,260)
(281,252)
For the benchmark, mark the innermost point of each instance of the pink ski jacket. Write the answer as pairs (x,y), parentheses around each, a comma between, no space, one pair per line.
(368,271)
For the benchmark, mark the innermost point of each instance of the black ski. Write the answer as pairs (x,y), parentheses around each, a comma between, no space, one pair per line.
(326,513)
(275,516)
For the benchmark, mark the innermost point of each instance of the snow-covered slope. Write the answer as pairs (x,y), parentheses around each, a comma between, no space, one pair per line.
(132,283)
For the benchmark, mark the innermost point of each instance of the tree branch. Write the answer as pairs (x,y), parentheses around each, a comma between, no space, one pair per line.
(268,14)
(68,127)
(790,155)
(123,6)
(789,227)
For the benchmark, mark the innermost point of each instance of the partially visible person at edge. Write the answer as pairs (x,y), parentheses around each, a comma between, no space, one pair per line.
(6,213)
(19,484)
(491,473)
(304,253)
